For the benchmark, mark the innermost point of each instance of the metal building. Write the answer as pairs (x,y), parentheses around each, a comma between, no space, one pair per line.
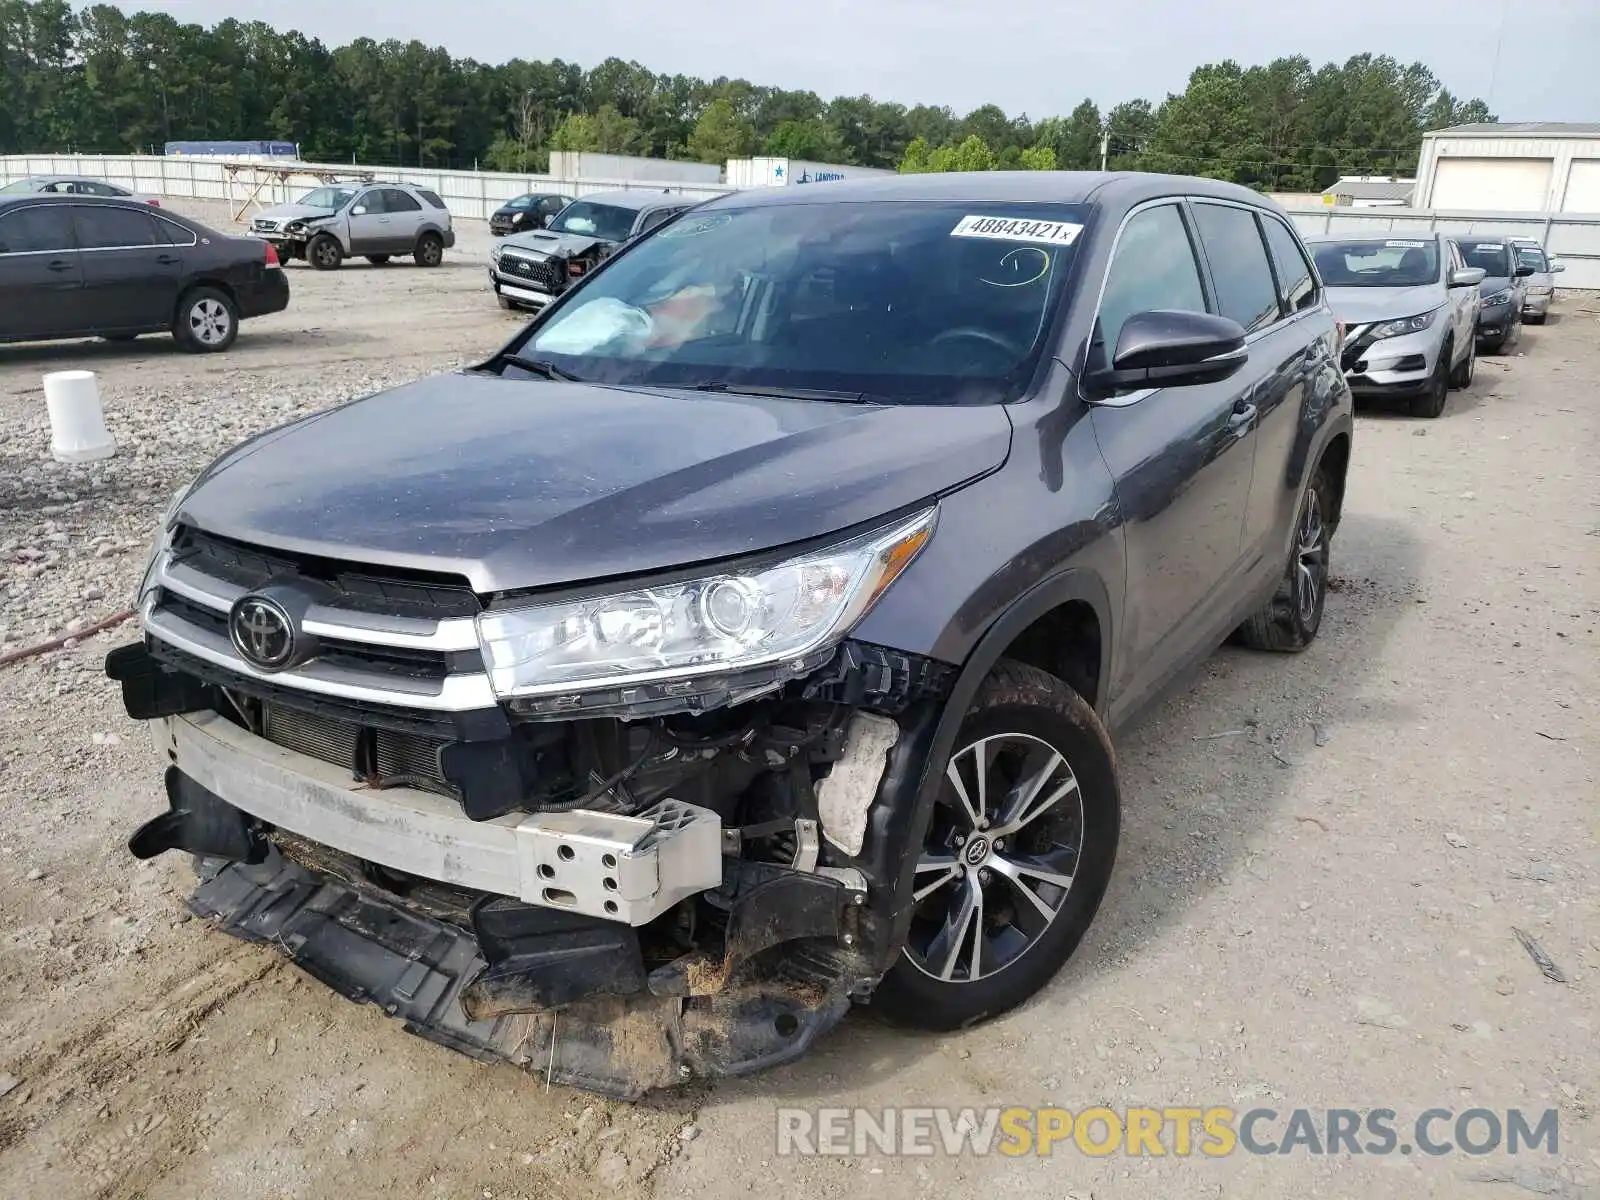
(1517,166)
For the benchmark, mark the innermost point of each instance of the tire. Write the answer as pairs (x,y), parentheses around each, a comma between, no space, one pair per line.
(1534,319)
(508,305)
(1025,721)
(378,260)
(1431,403)
(1288,623)
(1463,373)
(430,250)
(324,252)
(207,321)
(1494,347)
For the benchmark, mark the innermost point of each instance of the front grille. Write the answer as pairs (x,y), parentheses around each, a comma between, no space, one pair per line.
(403,593)
(263,226)
(395,759)
(382,640)
(550,274)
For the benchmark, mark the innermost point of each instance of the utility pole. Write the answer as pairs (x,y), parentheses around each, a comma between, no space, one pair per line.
(1105,145)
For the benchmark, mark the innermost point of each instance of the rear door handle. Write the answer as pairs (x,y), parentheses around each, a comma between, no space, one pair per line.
(167,260)
(1244,412)
(59,265)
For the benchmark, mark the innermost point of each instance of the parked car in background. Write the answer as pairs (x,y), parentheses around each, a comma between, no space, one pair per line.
(1410,308)
(528,270)
(88,266)
(1542,283)
(374,220)
(1504,289)
(533,211)
(74,185)
(742,641)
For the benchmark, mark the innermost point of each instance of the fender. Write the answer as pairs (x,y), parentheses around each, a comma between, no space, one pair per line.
(899,820)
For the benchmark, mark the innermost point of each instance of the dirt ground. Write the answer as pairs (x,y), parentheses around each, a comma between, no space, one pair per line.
(1324,856)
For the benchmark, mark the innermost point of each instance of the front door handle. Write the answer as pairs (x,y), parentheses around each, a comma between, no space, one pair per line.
(59,265)
(1243,414)
(167,260)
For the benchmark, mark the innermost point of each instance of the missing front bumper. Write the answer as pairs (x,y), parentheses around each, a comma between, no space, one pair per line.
(621,1039)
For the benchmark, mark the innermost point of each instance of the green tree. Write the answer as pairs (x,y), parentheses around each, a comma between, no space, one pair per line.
(1039,158)
(813,139)
(721,133)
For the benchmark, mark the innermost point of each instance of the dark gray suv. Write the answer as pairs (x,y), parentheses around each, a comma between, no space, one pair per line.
(746,641)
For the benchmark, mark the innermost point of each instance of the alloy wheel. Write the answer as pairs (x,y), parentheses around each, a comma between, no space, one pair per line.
(998,862)
(210,322)
(1311,558)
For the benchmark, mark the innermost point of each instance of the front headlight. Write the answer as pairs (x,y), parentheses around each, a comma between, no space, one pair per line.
(1403,326)
(1503,296)
(295,227)
(726,622)
(494,254)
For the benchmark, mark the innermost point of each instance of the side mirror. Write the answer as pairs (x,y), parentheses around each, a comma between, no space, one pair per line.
(1466,277)
(1524,270)
(1172,349)
(1557,267)
(359,210)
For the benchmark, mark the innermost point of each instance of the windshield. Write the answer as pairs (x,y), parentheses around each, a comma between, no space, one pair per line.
(1532,256)
(1491,256)
(1377,262)
(20,186)
(521,202)
(907,302)
(330,198)
(595,220)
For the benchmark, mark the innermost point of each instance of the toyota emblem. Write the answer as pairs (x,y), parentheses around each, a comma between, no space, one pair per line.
(262,632)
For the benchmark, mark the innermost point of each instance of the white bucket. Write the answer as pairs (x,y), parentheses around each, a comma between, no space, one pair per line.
(78,430)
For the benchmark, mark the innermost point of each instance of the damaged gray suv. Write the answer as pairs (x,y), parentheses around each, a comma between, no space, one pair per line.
(741,642)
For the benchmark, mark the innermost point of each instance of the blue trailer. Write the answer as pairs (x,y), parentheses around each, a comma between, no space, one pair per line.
(244,149)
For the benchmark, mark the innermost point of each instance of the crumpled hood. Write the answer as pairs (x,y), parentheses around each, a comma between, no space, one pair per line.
(1364,305)
(545,242)
(527,483)
(284,213)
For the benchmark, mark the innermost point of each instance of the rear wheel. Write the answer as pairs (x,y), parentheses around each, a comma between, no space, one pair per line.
(1290,620)
(1461,376)
(207,321)
(1016,858)
(324,252)
(378,260)
(430,250)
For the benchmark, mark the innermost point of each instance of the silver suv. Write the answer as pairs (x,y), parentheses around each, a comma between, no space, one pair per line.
(374,220)
(1409,304)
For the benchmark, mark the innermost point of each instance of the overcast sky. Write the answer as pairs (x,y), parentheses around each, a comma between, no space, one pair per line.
(1035,56)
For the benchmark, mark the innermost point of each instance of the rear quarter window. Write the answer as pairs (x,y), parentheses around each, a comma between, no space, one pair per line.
(432,198)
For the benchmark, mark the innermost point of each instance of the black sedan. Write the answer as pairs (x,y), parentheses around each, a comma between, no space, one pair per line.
(85,266)
(533,211)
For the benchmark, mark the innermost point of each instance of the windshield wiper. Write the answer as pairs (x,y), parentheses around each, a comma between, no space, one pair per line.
(787,393)
(541,366)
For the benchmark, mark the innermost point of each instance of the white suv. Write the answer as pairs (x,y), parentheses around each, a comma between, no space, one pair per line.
(374,220)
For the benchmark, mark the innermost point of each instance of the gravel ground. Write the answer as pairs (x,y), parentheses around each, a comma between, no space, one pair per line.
(1324,856)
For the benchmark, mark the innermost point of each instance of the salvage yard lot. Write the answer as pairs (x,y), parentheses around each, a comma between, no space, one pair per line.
(1324,857)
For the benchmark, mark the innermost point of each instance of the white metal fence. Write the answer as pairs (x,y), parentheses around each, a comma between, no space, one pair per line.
(1574,238)
(469,194)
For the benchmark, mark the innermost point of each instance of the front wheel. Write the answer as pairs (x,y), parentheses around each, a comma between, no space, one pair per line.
(430,250)
(508,305)
(324,252)
(1016,858)
(1462,374)
(207,321)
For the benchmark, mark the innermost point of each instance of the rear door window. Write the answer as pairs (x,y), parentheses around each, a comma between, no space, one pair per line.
(37,230)
(1154,268)
(1297,286)
(107,228)
(1246,291)
(396,201)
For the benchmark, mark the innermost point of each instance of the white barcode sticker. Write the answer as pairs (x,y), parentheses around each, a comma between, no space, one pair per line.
(1017,229)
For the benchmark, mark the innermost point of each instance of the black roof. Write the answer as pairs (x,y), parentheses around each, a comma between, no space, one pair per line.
(1015,187)
(67,198)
